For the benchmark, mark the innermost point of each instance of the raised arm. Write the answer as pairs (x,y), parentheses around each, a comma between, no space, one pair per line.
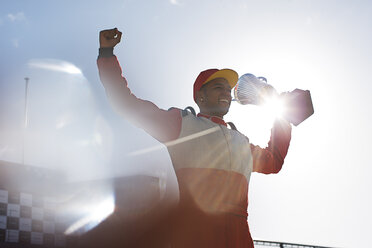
(161,124)
(270,159)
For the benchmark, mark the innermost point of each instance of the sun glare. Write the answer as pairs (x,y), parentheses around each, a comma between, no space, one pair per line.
(95,215)
(255,121)
(274,107)
(55,65)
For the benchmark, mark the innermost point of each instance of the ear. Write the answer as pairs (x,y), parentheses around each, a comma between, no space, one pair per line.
(200,97)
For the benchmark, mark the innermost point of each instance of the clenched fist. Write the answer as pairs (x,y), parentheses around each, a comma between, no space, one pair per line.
(109,37)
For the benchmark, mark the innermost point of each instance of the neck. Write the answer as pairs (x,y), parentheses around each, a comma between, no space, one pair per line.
(209,114)
(214,118)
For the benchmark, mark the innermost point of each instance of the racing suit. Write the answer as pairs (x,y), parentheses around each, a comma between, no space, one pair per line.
(212,163)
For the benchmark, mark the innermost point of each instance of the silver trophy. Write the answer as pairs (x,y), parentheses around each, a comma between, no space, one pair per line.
(255,90)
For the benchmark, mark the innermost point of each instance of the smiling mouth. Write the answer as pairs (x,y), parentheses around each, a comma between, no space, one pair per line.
(224,100)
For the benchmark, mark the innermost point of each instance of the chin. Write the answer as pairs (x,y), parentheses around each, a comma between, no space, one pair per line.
(223,112)
(218,111)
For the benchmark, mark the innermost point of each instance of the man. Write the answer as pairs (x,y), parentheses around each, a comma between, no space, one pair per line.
(212,163)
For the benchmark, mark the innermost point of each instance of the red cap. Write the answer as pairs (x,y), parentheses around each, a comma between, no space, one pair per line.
(205,76)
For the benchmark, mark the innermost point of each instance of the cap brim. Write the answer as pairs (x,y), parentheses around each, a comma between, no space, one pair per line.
(230,75)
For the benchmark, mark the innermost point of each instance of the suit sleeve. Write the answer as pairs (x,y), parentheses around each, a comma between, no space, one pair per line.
(270,159)
(161,124)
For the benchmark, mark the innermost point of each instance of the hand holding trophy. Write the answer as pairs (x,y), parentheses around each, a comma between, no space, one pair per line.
(298,105)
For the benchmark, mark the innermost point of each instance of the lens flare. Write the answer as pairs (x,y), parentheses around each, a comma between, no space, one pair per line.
(274,106)
(96,214)
(55,65)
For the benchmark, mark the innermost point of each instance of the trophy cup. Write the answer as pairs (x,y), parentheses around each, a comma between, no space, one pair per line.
(298,105)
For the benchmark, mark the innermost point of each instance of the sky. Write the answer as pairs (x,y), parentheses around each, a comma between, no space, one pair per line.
(320,197)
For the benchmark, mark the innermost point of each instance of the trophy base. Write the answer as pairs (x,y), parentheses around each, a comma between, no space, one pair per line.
(300,106)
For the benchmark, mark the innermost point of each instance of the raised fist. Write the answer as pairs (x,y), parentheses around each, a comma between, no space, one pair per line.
(109,37)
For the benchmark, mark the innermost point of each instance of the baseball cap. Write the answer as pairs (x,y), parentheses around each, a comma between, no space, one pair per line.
(205,76)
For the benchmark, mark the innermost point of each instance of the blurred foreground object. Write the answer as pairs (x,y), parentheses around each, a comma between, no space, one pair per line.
(39,207)
(297,104)
(30,208)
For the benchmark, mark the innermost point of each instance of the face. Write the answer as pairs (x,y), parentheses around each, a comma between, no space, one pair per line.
(216,95)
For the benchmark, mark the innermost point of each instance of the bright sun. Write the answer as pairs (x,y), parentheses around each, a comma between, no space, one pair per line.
(256,121)
(274,107)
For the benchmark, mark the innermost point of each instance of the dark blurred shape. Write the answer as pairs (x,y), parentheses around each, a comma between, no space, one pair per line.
(141,217)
